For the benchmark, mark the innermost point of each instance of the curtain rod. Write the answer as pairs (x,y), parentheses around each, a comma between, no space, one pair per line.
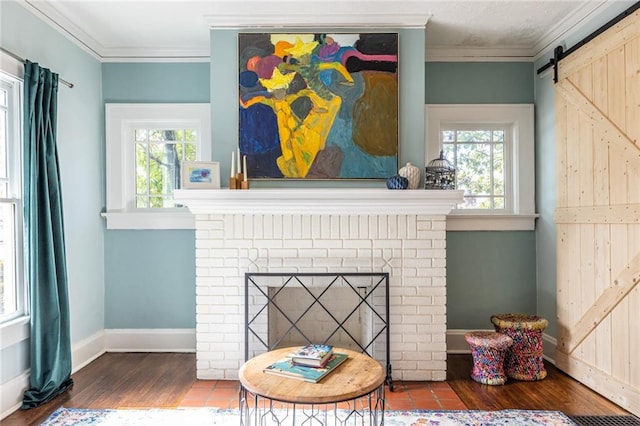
(559,53)
(18,58)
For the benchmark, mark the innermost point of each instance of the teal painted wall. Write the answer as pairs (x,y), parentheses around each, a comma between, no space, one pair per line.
(155,82)
(479,83)
(150,275)
(150,279)
(487,272)
(80,148)
(545,167)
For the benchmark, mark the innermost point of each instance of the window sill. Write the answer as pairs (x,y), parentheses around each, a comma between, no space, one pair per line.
(14,331)
(491,222)
(150,220)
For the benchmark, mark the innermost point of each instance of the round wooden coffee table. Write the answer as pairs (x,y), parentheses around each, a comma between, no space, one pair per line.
(354,388)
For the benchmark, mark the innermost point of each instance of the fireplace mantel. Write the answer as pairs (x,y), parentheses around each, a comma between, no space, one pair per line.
(319,201)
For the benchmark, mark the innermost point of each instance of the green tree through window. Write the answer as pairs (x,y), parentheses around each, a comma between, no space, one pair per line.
(158,156)
(479,157)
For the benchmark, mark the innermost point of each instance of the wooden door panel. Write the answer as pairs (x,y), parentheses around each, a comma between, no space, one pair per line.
(598,213)
(616,36)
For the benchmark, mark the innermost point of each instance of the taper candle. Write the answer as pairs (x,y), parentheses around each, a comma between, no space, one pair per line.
(233,164)
(244,160)
(239,159)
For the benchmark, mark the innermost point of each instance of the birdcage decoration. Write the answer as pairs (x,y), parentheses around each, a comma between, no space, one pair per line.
(440,174)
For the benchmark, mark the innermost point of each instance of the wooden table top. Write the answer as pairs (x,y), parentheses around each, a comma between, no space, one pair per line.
(359,375)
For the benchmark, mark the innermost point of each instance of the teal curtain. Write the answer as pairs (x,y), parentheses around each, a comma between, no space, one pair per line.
(50,342)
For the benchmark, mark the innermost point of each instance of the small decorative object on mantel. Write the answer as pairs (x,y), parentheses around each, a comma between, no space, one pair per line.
(412,173)
(199,175)
(440,174)
(238,180)
(397,182)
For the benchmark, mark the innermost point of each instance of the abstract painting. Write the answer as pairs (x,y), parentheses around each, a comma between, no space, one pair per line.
(319,105)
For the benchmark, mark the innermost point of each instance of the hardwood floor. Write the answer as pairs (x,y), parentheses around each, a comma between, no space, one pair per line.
(164,380)
(557,392)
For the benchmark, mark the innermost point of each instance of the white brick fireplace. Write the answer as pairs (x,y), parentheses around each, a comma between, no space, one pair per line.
(322,230)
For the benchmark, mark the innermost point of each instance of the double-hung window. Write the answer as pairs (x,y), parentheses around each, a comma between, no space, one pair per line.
(13,290)
(492,149)
(146,145)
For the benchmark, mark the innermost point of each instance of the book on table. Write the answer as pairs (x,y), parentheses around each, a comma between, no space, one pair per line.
(312,355)
(287,368)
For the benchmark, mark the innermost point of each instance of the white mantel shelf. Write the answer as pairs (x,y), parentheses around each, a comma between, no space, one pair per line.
(349,201)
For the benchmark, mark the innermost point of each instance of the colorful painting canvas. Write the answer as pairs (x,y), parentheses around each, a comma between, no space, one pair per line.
(319,106)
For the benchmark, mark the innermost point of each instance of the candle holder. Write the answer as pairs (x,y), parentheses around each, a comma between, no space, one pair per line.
(233,183)
(244,184)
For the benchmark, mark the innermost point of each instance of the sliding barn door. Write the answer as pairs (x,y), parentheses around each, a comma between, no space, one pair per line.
(598,213)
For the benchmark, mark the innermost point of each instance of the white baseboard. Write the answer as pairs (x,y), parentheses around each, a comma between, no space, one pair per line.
(549,344)
(457,345)
(87,350)
(151,340)
(11,394)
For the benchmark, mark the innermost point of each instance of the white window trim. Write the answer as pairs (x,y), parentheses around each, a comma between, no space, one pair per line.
(16,329)
(521,117)
(121,119)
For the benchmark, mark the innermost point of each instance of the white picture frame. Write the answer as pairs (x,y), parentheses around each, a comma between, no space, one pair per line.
(200,175)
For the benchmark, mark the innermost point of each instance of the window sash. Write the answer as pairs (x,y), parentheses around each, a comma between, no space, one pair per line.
(12,279)
(451,143)
(148,196)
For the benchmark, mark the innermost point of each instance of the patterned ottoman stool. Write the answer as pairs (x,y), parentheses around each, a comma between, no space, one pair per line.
(488,351)
(524,358)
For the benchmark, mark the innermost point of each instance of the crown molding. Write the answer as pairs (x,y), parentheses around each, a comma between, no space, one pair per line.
(59,22)
(329,14)
(570,23)
(439,53)
(160,54)
(333,21)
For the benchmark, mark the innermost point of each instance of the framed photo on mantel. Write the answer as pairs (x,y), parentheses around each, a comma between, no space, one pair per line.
(200,175)
(319,105)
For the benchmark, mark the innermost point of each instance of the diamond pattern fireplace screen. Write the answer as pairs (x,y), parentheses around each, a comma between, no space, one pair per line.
(349,310)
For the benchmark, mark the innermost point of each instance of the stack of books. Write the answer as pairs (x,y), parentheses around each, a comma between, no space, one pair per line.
(309,363)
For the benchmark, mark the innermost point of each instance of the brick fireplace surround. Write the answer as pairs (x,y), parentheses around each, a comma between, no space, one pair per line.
(322,230)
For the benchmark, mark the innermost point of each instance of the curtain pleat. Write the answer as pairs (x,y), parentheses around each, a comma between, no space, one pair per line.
(50,342)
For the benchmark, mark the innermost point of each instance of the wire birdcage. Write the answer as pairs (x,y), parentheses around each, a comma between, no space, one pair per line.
(440,174)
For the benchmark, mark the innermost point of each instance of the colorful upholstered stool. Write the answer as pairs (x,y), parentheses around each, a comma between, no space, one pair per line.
(488,350)
(523,360)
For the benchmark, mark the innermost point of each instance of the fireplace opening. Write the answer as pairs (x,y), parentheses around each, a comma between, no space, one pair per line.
(349,310)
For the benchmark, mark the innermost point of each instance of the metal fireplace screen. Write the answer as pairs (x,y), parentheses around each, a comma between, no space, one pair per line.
(349,310)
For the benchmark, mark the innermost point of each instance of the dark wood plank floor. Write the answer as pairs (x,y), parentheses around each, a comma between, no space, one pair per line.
(143,380)
(557,392)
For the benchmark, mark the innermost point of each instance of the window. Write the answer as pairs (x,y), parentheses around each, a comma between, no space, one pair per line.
(158,156)
(146,144)
(12,283)
(478,154)
(492,148)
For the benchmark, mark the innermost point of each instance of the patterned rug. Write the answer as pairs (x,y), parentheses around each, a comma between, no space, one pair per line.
(204,416)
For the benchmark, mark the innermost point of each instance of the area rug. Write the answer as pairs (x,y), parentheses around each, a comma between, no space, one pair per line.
(217,417)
